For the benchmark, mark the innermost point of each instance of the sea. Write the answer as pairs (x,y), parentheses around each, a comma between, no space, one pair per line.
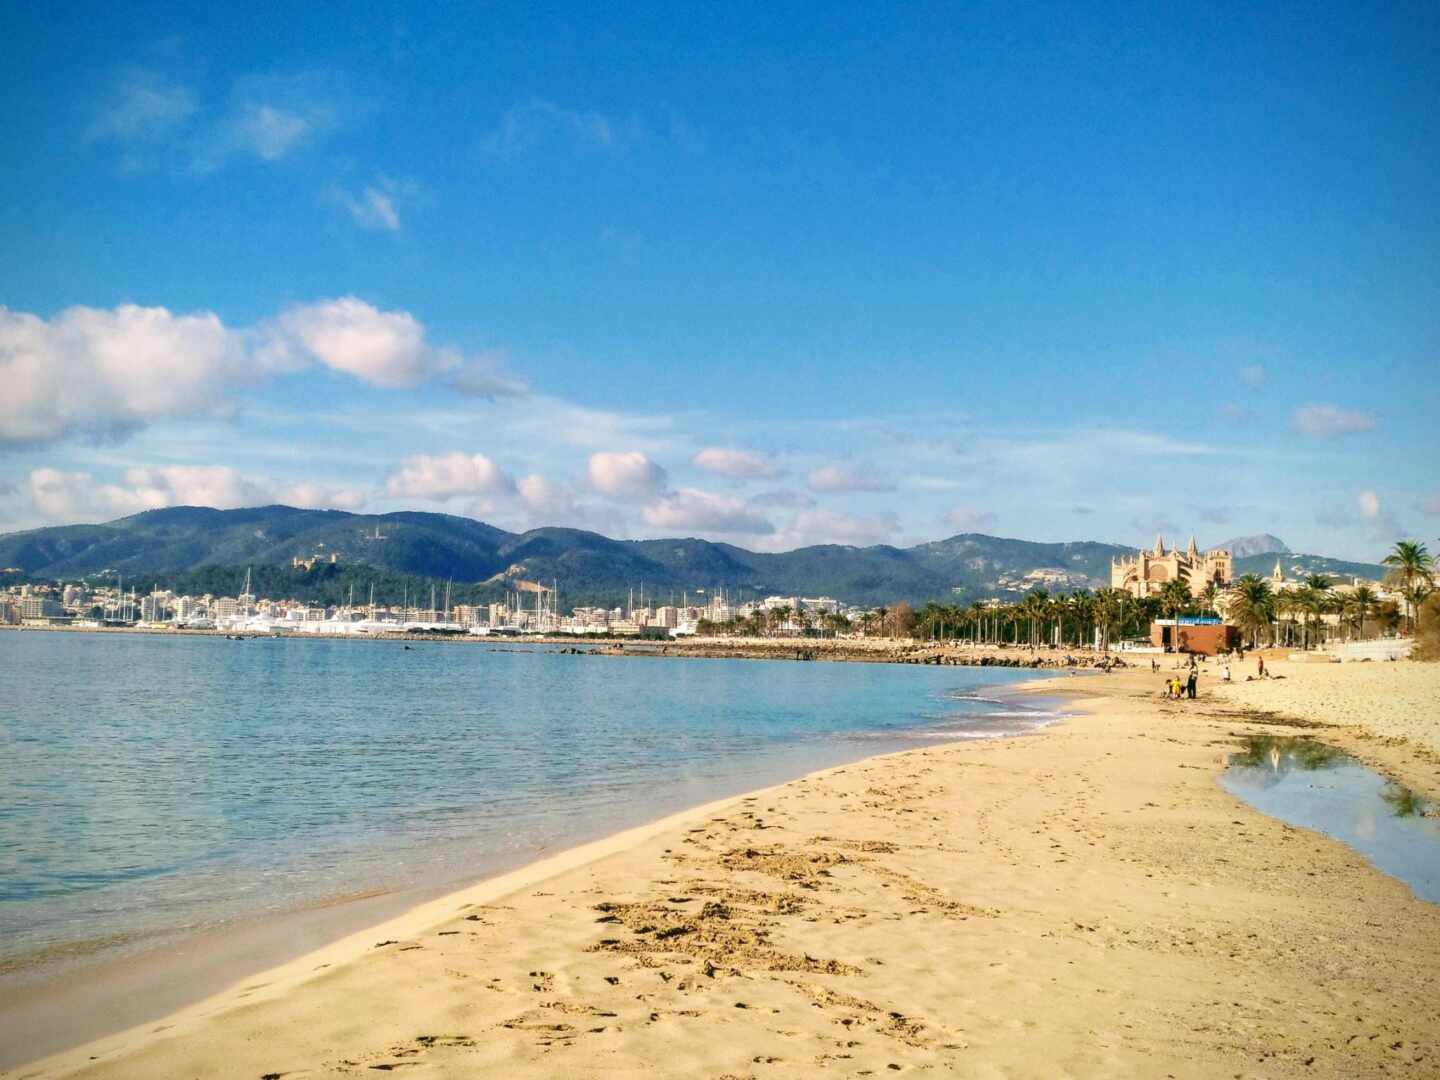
(155,786)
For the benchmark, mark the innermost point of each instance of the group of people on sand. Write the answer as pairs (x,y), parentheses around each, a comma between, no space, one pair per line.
(1177,688)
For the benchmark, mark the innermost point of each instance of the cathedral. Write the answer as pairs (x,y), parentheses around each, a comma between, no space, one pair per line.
(1146,573)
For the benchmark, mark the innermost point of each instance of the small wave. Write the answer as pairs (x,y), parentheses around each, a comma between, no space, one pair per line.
(1027,713)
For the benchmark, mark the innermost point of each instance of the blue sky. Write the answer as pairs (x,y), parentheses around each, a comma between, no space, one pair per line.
(796,275)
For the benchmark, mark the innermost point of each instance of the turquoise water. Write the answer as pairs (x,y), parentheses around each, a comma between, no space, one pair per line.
(150,785)
(1315,786)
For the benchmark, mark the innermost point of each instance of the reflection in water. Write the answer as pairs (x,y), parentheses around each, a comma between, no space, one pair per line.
(1405,802)
(1310,784)
(1282,754)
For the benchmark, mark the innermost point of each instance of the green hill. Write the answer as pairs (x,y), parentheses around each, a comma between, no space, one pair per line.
(197,550)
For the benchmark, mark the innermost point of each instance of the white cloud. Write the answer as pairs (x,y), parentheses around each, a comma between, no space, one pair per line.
(527,126)
(1253,375)
(1234,413)
(1369,504)
(310,496)
(691,508)
(834,478)
(828,527)
(103,373)
(142,106)
(75,496)
(545,497)
(739,464)
(447,475)
(969,518)
(1327,421)
(384,348)
(627,475)
(1431,503)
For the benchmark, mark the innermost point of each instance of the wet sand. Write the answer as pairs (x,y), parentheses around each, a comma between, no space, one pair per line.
(1083,902)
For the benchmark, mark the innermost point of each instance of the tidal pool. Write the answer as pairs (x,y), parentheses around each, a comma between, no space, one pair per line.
(1309,784)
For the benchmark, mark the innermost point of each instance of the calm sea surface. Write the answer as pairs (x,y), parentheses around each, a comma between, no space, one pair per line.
(153,785)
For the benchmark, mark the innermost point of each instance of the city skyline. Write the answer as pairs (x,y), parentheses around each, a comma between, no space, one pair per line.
(772,279)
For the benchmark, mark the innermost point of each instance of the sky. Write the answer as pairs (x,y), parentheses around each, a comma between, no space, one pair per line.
(770,274)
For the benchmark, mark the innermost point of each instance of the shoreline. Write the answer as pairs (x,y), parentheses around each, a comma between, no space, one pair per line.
(1099,702)
(416,917)
(185,967)
(851,650)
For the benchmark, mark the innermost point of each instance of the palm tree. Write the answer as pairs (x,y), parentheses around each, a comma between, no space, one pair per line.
(1287,606)
(1359,605)
(1175,598)
(1410,566)
(1209,597)
(1110,607)
(1314,601)
(1251,606)
(1082,606)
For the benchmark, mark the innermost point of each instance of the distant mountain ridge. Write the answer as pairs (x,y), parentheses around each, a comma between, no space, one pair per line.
(1261,544)
(197,544)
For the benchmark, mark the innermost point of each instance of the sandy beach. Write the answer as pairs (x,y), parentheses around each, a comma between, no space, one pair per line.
(1388,700)
(1085,902)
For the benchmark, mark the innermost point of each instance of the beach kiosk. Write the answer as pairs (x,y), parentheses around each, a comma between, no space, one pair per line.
(1204,635)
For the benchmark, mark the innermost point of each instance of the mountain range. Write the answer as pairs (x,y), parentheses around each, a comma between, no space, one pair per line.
(198,549)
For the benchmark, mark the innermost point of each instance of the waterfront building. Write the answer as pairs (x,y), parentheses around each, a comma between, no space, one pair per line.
(35,608)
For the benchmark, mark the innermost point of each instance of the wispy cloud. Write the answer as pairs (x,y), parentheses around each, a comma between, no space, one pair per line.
(969,518)
(377,205)
(830,479)
(736,464)
(142,105)
(831,527)
(270,117)
(1253,375)
(1236,414)
(528,126)
(1322,421)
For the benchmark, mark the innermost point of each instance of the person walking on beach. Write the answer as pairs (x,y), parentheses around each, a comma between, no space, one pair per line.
(1190,683)
(1260,665)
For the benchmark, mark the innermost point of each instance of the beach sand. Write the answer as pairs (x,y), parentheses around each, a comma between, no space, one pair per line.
(1399,700)
(1085,902)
